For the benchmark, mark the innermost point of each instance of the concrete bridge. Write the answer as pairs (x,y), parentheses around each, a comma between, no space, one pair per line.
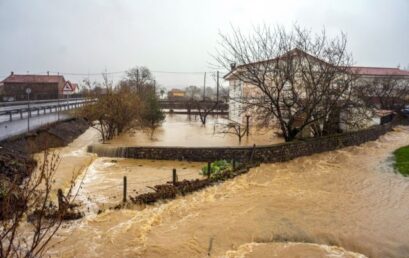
(22,116)
(10,111)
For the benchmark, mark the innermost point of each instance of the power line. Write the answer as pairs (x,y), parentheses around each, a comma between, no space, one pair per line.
(120,72)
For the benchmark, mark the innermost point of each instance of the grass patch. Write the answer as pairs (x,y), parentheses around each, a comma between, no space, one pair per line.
(402,160)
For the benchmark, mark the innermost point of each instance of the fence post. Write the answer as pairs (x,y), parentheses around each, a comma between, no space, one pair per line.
(174,176)
(252,153)
(208,169)
(234,163)
(125,186)
(11,116)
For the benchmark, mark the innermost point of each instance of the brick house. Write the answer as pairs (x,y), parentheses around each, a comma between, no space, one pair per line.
(13,88)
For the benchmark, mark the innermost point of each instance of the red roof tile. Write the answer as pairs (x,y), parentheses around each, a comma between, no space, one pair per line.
(31,78)
(74,86)
(381,71)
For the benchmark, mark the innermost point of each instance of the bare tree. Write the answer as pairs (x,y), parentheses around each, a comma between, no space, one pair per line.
(387,92)
(139,79)
(234,128)
(30,199)
(193,92)
(295,79)
(115,112)
(204,108)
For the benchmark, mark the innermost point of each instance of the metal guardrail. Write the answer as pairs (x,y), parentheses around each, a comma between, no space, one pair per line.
(186,104)
(25,102)
(54,106)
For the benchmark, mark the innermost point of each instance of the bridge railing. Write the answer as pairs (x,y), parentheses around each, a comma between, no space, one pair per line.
(52,107)
(25,102)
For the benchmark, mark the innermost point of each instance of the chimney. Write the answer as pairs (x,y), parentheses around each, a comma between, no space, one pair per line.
(12,73)
(232,66)
(48,73)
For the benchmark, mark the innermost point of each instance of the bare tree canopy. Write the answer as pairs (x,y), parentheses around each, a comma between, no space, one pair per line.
(115,112)
(28,217)
(139,79)
(387,92)
(294,78)
(193,92)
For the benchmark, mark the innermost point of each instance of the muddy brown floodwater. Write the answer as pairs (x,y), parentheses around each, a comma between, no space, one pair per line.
(344,203)
(179,130)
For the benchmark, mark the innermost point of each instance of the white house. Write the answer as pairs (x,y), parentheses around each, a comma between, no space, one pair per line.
(238,89)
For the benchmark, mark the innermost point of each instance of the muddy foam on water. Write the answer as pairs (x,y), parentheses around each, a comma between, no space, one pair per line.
(344,203)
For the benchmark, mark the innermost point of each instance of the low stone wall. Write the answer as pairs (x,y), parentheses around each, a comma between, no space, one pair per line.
(265,153)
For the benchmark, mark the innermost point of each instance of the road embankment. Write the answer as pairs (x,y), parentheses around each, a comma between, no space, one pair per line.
(16,159)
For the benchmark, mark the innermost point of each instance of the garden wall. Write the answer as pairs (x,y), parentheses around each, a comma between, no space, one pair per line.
(265,153)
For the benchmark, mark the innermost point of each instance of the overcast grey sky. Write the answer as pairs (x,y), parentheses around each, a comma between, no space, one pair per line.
(87,36)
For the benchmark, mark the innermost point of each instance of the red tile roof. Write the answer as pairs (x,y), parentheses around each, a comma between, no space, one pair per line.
(381,71)
(74,86)
(362,70)
(31,78)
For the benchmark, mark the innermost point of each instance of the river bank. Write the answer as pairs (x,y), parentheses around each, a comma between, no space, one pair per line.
(345,199)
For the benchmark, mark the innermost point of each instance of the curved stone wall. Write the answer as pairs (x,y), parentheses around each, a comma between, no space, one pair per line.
(265,153)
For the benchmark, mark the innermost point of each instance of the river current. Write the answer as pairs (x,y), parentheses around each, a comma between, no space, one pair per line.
(344,203)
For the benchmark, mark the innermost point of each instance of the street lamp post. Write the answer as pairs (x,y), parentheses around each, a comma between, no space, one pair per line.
(28,91)
(58,106)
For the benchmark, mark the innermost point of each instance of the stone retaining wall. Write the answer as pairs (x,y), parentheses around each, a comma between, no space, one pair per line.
(265,153)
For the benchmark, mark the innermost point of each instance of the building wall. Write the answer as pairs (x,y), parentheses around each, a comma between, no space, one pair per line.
(235,93)
(38,90)
(239,90)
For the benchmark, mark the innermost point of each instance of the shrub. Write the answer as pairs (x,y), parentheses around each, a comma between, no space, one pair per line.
(219,169)
(402,160)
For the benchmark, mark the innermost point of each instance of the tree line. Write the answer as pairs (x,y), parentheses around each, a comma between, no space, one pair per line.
(131,104)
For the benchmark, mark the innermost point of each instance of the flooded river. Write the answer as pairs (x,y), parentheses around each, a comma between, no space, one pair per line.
(180,130)
(345,203)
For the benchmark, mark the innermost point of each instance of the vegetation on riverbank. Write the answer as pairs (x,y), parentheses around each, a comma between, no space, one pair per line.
(130,105)
(26,189)
(219,171)
(402,160)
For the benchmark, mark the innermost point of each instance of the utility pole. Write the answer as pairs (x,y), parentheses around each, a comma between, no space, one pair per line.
(58,104)
(217,89)
(204,87)
(137,79)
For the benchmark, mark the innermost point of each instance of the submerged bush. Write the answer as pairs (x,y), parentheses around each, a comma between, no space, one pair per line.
(219,169)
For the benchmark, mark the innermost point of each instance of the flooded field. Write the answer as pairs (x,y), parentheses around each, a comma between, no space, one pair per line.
(345,203)
(102,182)
(180,130)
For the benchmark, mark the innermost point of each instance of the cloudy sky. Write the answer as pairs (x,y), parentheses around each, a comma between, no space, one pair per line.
(176,38)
